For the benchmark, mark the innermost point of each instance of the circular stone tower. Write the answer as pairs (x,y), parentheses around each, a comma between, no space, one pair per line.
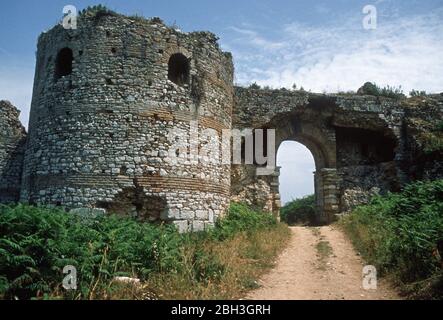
(127,115)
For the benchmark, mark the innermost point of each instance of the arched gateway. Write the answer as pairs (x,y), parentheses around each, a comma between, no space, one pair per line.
(354,147)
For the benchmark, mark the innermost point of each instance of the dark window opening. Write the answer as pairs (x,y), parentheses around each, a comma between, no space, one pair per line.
(363,147)
(365,150)
(113,50)
(178,69)
(64,61)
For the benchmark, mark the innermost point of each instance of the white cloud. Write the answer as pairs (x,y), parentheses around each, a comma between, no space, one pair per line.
(402,51)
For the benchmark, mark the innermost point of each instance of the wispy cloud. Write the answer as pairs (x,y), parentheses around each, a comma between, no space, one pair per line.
(256,40)
(402,51)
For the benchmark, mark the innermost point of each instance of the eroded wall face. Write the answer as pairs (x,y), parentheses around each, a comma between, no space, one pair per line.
(116,132)
(366,162)
(363,145)
(12,144)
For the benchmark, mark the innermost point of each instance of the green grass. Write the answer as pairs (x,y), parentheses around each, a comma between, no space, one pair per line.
(401,234)
(36,243)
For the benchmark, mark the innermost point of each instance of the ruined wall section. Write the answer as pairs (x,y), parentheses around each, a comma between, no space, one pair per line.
(370,148)
(12,144)
(100,135)
(357,141)
(423,129)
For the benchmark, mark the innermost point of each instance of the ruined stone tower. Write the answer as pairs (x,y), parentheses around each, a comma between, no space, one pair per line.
(106,97)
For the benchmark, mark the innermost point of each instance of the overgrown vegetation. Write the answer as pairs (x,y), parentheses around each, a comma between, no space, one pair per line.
(254,86)
(433,139)
(37,243)
(402,234)
(299,211)
(417,93)
(96,10)
(372,89)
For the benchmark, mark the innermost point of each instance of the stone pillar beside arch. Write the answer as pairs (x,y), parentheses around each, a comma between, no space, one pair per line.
(327,195)
(275,189)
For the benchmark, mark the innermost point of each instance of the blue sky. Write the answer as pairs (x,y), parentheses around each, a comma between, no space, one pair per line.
(320,45)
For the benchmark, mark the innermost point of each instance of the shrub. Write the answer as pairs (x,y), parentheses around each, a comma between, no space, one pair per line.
(372,89)
(254,86)
(417,93)
(241,218)
(299,211)
(96,11)
(36,243)
(401,233)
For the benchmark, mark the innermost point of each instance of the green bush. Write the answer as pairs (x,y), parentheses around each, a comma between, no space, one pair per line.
(241,218)
(254,86)
(401,233)
(372,89)
(299,211)
(417,93)
(96,11)
(36,243)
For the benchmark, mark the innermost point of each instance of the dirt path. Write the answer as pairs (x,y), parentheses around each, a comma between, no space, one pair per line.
(319,264)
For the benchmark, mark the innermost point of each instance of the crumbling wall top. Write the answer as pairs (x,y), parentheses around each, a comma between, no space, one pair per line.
(10,125)
(256,107)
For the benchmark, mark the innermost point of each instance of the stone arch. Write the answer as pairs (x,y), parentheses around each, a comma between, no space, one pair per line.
(63,63)
(320,141)
(310,135)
